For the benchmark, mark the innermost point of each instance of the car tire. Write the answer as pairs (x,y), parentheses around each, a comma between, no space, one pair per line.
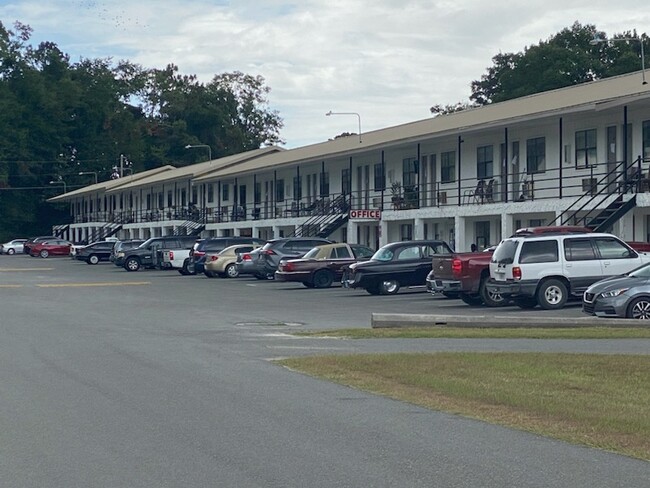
(552,294)
(322,279)
(232,271)
(491,299)
(93,259)
(132,264)
(639,308)
(471,300)
(526,303)
(373,289)
(388,287)
(11,251)
(44,253)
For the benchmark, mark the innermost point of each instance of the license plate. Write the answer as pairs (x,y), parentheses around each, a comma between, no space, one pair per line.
(439,283)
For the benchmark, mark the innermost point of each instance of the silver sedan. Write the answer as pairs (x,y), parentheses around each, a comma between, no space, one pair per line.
(624,296)
(13,247)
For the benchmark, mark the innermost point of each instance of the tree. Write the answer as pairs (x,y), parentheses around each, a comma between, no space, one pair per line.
(565,59)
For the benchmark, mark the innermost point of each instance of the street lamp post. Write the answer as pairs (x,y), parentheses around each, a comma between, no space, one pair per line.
(347,113)
(89,173)
(190,146)
(60,182)
(598,40)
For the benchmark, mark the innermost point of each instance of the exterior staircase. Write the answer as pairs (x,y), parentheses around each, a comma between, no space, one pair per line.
(325,222)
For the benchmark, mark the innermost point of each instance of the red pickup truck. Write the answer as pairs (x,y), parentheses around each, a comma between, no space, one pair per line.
(466,273)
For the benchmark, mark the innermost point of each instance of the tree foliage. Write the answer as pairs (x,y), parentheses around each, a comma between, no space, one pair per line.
(58,119)
(566,58)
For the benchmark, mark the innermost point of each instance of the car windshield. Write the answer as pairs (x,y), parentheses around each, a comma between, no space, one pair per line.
(505,252)
(642,272)
(383,254)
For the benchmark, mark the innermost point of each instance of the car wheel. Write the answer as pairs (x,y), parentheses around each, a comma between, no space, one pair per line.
(232,271)
(552,294)
(471,300)
(132,264)
(307,284)
(526,302)
(93,259)
(209,274)
(323,279)
(490,298)
(639,308)
(44,253)
(184,271)
(389,287)
(11,251)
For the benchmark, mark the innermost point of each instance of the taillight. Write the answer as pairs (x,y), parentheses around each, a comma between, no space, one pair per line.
(269,252)
(214,257)
(516,273)
(288,267)
(457,267)
(199,253)
(246,257)
(171,255)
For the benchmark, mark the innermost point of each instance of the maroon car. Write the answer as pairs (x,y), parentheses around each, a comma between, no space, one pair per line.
(322,265)
(53,247)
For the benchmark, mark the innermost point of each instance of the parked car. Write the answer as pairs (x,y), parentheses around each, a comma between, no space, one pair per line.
(32,241)
(623,296)
(268,258)
(395,265)
(548,270)
(122,246)
(145,254)
(247,264)
(224,263)
(95,252)
(214,245)
(12,247)
(53,247)
(322,265)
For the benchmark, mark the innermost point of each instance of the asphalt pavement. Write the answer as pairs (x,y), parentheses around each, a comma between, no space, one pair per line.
(152,379)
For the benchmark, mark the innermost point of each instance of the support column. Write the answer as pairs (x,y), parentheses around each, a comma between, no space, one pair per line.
(418,229)
(352,232)
(383,238)
(507,225)
(276,231)
(626,228)
(459,225)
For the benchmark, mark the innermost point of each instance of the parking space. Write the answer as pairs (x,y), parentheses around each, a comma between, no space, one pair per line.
(230,301)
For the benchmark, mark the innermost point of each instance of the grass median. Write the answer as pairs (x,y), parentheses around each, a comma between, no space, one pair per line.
(600,401)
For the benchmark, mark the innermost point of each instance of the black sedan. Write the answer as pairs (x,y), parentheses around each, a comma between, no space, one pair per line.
(624,296)
(405,263)
(96,252)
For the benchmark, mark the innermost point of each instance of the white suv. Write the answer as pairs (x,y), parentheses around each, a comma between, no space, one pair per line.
(547,270)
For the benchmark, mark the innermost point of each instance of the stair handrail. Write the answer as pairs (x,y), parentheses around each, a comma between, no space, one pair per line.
(594,196)
(339,202)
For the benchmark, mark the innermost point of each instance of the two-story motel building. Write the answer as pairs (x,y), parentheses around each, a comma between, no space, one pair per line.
(468,177)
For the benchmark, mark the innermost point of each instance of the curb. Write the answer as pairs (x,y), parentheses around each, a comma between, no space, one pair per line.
(395,320)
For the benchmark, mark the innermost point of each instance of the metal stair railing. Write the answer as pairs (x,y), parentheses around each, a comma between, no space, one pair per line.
(610,187)
(328,216)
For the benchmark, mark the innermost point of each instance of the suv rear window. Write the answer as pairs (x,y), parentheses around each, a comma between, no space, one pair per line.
(539,252)
(505,252)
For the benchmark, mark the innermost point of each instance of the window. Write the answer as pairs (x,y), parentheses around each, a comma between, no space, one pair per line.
(578,250)
(210,193)
(380,179)
(195,195)
(646,139)
(225,192)
(484,162)
(346,183)
(406,232)
(297,187)
(409,253)
(539,252)
(279,191)
(613,249)
(585,148)
(409,170)
(448,167)
(536,155)
(341,253)
(324,184)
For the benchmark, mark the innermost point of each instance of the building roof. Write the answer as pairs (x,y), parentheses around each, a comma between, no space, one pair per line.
(105,186)
(196,170)
(594,95)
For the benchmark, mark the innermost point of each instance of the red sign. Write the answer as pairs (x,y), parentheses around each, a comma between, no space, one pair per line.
(365,214)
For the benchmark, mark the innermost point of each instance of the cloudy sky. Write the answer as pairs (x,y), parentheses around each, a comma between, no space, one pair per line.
(388,60)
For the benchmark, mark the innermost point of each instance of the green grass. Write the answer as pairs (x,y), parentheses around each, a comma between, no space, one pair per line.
(598,400)
(485,333)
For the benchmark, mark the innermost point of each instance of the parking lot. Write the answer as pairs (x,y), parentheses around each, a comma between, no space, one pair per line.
(229,301)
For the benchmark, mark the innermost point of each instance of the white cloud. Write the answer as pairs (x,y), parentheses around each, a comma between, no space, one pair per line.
(388,60)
